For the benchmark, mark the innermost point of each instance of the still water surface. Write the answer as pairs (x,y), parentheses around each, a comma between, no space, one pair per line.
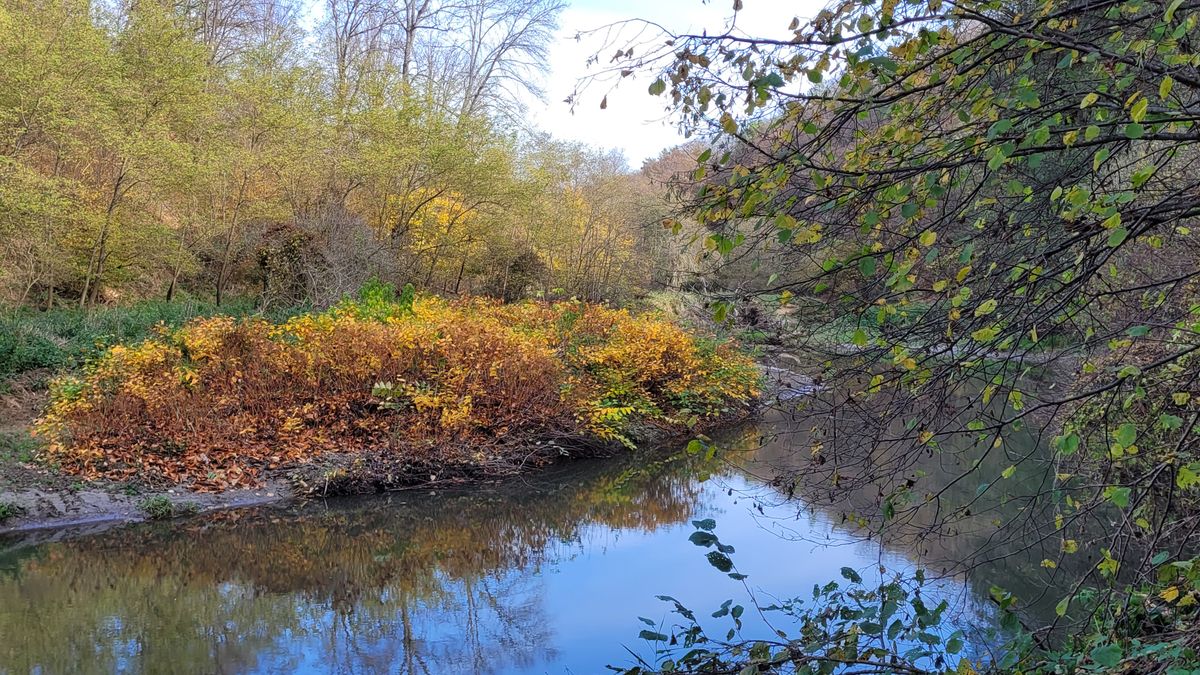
(544,575)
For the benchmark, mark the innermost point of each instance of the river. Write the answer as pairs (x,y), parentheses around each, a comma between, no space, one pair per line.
(547,574)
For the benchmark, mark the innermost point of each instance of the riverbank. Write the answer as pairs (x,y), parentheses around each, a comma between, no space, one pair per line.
(34,496)
(379,393)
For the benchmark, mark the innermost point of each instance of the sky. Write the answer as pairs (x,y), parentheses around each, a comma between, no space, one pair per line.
(634,122)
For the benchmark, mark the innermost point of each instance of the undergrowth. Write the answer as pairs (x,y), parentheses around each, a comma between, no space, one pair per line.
(160,507)
(9,510)
(67,337)
(403,386)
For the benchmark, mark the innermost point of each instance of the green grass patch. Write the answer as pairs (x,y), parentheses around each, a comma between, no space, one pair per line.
(18,446)
(9,511)
(66,337)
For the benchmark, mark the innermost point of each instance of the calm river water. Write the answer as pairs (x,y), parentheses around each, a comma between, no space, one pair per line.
(544,575)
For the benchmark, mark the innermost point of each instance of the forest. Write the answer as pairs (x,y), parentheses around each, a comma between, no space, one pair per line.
(215,150)
(884,359)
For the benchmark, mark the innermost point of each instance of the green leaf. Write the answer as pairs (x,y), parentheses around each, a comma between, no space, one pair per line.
(1107,656)
(1117,237)
(657,87)
(708,524)
(1061,608)
(1169,15)
(1170,422)
(1126,434)
(652,636)
(986,307)
(866,265)
(999,127)
(720,311)
(850,575)
(1142,174)
(1067,445)
(1134,131)
(704,539)
(1119,496)
(859,338)
(984,334)
(1186,477)
(1089,100)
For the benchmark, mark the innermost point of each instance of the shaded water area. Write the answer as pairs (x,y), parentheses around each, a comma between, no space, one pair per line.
(543,575)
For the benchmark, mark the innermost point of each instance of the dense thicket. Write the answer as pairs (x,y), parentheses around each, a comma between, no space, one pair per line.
(222,147)
(382,391)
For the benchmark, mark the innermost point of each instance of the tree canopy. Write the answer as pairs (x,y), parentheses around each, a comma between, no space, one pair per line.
(224,148)
(984,212)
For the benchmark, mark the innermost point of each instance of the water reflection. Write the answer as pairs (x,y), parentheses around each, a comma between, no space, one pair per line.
(548,575)
(991,524)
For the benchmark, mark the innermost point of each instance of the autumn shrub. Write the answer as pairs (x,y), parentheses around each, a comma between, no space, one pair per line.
(417,384)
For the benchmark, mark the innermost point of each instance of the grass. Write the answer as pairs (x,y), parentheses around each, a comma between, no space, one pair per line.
(160,507)
(64,338)
(17,446)
(8,510)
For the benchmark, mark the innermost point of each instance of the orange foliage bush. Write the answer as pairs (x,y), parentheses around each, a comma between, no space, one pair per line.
(219,401)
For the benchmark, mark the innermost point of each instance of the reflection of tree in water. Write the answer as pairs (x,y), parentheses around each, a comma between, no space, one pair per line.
(980,536)
(412,582)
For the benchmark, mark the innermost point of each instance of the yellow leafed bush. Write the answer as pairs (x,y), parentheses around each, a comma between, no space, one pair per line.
(425,383)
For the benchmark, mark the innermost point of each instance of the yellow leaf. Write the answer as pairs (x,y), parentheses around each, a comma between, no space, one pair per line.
(1164,87)
(1169,594)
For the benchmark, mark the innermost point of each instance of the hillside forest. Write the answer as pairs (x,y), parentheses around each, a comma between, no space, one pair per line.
(226,149)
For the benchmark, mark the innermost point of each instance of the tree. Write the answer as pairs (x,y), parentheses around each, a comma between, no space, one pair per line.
(956,190)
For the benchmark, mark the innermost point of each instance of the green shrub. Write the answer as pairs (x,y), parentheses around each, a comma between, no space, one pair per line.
(160,507)
(9,510)
(157,507)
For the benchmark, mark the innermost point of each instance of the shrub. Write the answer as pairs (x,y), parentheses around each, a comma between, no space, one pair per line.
(9,510)
(468,385)
(157,507)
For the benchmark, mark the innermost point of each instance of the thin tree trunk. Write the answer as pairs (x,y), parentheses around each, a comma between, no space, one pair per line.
(223,272)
